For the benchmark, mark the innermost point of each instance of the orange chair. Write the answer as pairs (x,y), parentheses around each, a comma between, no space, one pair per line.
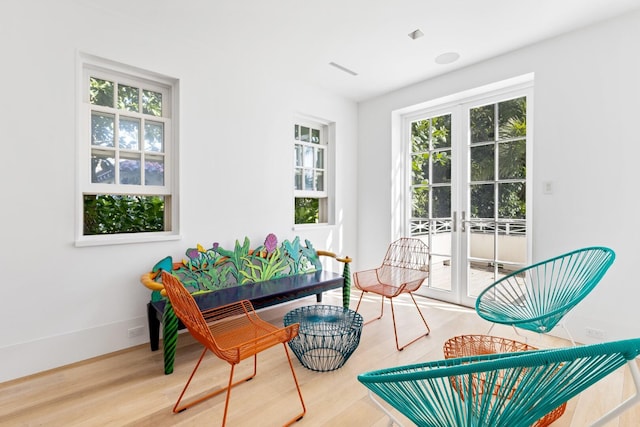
(232,332)
(404,268)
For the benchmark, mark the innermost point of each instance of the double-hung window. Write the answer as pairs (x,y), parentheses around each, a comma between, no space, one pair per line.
(311,174)
(128,154)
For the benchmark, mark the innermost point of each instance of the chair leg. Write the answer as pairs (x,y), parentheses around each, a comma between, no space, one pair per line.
(295,380)
(564,325)
(394,324)
(618,410)
(381,309)
(177,408)
(392,420)
(228,397)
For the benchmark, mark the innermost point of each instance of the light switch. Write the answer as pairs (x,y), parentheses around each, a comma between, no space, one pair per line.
(547,187)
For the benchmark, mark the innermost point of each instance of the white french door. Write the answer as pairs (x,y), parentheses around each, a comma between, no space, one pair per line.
(466,174)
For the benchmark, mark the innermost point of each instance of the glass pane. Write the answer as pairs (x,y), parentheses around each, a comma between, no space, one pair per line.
(153,136)
(319,181)
(319,158)
(420,136)
(308,180)
(102,129)
(152,103)
(296,132)
(134,214)
(512,160)
(304,134)
(441,131)
(307,160)
(512,199)
(128,98)
(103,167)
(129,133)
(130,170)
(298,179)
(307,210)
(297,155)
(420,169)
(441,202)
(482,122)
(481,272)
(512,116)
(441,167)
(100,92)
(482,163)
(153,171)
(482,203)
(420,202)
(315,136)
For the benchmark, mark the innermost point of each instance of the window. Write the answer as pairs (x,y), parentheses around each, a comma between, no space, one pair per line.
(311,158)
(128,146)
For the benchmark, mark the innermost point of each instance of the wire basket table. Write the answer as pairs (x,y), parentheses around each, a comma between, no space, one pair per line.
(327,337)
(473,345)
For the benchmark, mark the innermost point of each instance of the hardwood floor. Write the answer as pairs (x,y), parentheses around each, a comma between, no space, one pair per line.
(128,388)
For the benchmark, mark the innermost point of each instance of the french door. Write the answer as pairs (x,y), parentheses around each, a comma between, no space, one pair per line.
(467,197)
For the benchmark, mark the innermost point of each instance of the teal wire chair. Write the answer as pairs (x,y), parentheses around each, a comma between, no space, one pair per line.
(500,389)
(537,297)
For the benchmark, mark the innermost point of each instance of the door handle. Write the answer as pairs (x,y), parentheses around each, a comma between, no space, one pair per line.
(463,221)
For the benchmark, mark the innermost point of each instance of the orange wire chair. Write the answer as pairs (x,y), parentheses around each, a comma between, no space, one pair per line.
(404,268)
(232,332)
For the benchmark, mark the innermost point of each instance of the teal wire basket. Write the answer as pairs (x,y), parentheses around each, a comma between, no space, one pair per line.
(327,337)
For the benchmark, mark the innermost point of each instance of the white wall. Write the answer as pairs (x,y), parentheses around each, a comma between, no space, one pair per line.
(61,304)
(586,91)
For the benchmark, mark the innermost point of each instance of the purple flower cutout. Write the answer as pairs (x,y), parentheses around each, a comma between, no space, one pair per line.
(271,242)
(193,253)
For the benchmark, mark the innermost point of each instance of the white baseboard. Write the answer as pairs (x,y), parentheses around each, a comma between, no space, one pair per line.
(40,355)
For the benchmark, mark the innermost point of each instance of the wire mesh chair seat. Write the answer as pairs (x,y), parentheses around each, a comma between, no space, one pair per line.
(537,297)
(403,270)
(232,332)
(473,345)
(501,389)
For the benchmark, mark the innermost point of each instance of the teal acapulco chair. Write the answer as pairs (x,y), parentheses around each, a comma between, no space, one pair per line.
(537,297)
(500,389)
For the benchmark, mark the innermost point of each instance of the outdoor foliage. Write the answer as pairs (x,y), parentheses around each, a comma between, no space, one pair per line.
(113,214)
(500,127)
(307,210)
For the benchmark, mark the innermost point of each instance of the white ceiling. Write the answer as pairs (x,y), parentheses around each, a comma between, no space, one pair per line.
(299,38)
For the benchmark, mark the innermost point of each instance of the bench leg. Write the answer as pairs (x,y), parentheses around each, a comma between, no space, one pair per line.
(154,327)
(169,337)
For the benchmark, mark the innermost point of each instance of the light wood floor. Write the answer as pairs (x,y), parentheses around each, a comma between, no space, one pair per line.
(128,388)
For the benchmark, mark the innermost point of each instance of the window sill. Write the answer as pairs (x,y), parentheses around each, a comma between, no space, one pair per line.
(312,226)
(123,239)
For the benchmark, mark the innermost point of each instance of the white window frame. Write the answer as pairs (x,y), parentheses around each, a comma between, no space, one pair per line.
(325,196)
(91,66)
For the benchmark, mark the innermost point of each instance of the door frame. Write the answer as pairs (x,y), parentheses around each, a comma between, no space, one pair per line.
(458,105)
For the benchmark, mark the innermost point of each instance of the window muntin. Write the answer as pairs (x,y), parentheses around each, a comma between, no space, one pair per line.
(310,173)
(126,165)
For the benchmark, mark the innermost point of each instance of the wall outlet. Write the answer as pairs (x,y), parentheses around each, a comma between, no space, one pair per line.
(135,332)
(595,333)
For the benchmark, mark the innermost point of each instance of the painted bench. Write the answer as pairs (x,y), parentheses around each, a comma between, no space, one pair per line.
(270,274)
